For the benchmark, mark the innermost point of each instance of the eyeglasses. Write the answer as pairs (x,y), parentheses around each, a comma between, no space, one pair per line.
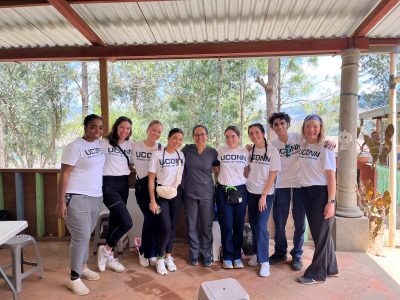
(288,150)
(200,135)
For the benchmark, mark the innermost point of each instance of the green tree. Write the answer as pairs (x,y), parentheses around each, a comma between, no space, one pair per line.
(33,97)
(374,71)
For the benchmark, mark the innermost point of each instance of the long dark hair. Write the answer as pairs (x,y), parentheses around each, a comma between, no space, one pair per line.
(261,127)
(113,137)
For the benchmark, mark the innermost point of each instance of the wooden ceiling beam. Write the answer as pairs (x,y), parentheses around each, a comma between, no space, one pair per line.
(185,51)
(380,11)
(73,17)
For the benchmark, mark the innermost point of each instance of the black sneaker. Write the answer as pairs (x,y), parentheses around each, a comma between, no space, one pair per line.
(307,280)
(333,274)
(207,262)
(274,259)
(297,264)
(193,262)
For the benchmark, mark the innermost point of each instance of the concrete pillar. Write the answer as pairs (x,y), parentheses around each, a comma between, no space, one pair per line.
(351,227)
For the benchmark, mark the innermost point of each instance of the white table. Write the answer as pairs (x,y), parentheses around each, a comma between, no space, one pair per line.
(9,229)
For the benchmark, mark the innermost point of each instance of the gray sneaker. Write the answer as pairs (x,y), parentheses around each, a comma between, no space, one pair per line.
(297,264)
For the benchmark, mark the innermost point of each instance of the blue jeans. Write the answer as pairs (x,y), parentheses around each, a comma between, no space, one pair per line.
(280,215)
(258,222)
(231,221)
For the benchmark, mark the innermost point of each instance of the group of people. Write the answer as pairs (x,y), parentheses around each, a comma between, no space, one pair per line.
(293,168)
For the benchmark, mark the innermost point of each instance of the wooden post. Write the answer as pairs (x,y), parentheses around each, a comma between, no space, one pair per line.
(60,222)
(19,195)
(104,95)
(393,153)
(1,192)
(40,225)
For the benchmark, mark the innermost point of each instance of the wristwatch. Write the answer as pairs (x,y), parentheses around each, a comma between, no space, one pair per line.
(332,201)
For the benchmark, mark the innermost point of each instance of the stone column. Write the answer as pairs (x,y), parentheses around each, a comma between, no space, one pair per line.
(351,227)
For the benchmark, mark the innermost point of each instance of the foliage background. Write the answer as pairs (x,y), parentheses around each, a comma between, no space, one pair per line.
(42,104)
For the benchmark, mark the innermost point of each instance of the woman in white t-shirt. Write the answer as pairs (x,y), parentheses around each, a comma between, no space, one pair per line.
(318,182)
(167,166)
(142,152)
(118,150)
(264,166)
(80,198)
(231,197)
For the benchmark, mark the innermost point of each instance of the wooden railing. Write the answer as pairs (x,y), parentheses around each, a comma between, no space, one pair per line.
(31,194)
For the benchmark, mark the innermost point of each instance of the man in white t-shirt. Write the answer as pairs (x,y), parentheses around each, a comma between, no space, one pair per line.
(287,190)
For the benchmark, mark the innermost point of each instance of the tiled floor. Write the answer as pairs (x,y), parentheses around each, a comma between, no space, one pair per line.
(361,277)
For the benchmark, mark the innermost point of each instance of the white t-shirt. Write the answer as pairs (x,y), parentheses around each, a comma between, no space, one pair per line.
(232,164)
(314,161)
(141,157)
(167,169)
(289,153)
(260,167)
(116,162)
(88,159)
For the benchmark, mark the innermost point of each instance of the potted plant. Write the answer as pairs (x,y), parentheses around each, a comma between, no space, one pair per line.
(376,207)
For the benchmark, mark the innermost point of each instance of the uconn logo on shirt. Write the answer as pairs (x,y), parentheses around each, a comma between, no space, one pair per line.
(260,159)
(169,162)
(288,151)
(310,154)
(116,151)
(234,158)
(143,156)
(93,152)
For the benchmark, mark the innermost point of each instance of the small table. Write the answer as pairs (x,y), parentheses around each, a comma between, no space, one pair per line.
(9,229)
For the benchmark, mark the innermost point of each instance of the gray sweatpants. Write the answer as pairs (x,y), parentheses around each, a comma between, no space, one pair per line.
(82,215)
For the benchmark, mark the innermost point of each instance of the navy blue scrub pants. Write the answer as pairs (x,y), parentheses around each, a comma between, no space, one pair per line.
(324,259)
(231,221)
(148,246)
(280,213)
(258,223)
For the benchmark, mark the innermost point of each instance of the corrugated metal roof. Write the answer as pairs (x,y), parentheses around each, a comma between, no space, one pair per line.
(377,113)
(194,21)
(223,20)
(39,26)
(389,27)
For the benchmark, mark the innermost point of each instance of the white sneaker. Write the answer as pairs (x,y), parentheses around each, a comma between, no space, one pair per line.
(77,287)
(90,275)
(253,261)
(160,265)
(114,264)
(152,261)
(169,261)
(143,261)
(102,257)
(264,270)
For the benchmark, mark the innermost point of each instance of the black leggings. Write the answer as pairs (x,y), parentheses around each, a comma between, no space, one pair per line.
(148,246)
(115,197)
(168,218)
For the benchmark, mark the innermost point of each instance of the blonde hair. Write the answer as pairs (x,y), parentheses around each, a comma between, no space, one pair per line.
(321,135)
(154,122)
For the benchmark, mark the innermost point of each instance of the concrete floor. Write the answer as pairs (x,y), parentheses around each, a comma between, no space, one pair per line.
(362,276)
